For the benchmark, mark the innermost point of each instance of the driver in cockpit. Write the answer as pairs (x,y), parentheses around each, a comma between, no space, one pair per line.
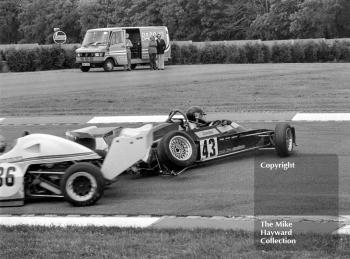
(196,118)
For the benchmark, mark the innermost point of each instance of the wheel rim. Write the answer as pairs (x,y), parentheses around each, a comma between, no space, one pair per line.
(180,148)
(81,186)
(289,140)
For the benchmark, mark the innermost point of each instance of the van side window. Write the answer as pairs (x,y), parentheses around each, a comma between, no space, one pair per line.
(116,37)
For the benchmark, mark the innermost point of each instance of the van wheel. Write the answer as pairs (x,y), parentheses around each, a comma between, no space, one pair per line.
(82,184)
(84,69)
(108,65)
(133,66)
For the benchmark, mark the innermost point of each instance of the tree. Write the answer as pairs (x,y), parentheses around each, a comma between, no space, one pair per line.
(316,19)
(182,18)
(260,6)
(92,14)
(173,16)
(190,20)
(145,12)
(276,23)
(342,19)
(39,18)
(9,23)
(224,19)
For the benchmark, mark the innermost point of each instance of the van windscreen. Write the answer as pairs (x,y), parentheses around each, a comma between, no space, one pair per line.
(95,38)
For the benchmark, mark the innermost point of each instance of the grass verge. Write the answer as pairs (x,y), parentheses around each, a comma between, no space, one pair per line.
(93,242)
(217,88)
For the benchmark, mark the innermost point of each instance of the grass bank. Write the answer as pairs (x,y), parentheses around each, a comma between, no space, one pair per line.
(217,88)
(93,242)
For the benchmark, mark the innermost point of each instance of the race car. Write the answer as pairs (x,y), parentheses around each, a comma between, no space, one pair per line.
(43,165)
(178,144)
(79,166)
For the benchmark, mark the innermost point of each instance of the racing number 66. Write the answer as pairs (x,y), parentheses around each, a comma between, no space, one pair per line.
(7,175)
(209,148)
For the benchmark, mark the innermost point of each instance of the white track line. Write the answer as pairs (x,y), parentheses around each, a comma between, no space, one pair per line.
(321,117)
(162,118)
(135,222)
(345,230)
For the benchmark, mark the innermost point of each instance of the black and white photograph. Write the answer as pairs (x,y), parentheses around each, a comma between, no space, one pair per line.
(174,129)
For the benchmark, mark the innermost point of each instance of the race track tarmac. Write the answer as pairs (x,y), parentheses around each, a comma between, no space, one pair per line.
(221,188)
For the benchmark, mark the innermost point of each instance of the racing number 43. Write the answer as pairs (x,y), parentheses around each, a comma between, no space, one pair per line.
(6,176)
(209,148)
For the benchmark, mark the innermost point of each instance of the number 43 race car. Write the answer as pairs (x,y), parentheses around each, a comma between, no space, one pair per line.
(79,166)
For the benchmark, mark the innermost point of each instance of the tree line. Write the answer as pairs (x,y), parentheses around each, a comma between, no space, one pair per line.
(32,21)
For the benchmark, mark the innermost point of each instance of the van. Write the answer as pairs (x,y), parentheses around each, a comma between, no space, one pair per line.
(105,47)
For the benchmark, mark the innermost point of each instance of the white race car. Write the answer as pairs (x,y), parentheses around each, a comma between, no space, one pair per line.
(42,165)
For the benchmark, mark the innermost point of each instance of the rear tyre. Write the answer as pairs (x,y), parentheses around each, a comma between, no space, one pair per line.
(284,140)
(82,184)
(84,69)
(108,65)
(177,150)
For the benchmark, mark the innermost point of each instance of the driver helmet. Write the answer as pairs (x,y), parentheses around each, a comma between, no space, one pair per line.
(195,113)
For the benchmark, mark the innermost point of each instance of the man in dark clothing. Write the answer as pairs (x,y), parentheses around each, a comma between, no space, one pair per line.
(160,51)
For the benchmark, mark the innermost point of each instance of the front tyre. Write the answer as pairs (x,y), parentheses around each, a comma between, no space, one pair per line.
(85,69)
(284,139)
(108,65)
(82,184)
(177,150)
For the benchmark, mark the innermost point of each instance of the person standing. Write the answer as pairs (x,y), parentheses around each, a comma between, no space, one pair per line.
(128,46)
(160,51)
(152,52)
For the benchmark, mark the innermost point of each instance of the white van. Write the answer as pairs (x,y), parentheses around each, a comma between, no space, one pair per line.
(105,47)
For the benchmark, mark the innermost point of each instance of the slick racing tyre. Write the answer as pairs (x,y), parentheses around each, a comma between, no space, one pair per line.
(84,69)
(284,139)
(177,150)
(82,184)
(108,65)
